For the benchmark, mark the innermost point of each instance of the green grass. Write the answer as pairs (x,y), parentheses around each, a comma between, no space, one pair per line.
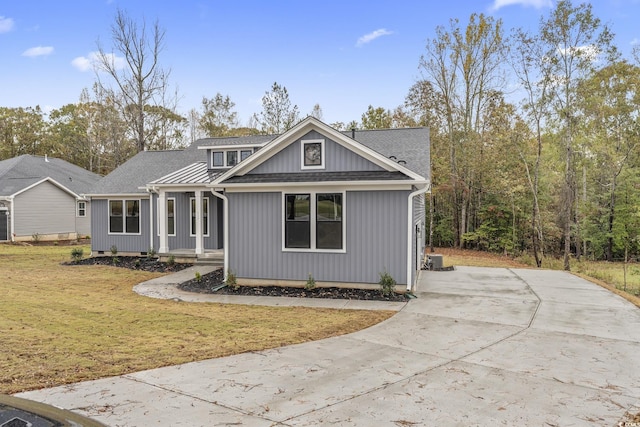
(61,324)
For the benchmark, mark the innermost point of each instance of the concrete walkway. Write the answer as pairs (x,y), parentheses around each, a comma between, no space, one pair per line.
(479,347)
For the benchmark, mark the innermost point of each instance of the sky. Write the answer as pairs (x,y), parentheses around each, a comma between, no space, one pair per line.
(341,54)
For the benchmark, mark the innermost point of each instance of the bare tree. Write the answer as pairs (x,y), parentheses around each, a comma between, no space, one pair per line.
(140,78)
(277,114)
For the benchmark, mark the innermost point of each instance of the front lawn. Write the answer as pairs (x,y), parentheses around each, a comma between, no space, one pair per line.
(61,324)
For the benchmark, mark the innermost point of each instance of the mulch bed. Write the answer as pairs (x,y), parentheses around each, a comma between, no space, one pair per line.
(211,283)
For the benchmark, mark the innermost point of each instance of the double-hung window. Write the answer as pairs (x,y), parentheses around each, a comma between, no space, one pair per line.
(205,217)
(217,159)
(82,209)
(171,216)
(314,221)
(124,216)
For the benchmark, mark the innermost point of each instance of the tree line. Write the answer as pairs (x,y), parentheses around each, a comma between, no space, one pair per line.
(534,135)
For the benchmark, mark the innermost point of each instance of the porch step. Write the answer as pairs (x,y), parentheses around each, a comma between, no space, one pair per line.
(211,262)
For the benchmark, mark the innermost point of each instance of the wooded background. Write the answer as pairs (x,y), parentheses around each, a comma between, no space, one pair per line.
(534,136)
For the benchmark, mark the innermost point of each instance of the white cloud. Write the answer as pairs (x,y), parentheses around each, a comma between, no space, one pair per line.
(589,52)
(6,24)
(90,62)
(38,51)
(635,42)
(538,4)
(367,38)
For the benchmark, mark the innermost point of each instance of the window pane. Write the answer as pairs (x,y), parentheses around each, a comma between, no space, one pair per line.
(115,216)
(298,206)
(329,207)
(193,217)
(205,216)
(171,224)
(313,154)
(297,234)
(232,158)
(297,224)
(329,221)
(133,216)
(329,235)
(244,154)
(218,158)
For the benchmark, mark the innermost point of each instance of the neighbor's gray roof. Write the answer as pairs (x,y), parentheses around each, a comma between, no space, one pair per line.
(20,172)
(143,168)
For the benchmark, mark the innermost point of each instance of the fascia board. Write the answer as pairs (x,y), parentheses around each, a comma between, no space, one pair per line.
(52,181)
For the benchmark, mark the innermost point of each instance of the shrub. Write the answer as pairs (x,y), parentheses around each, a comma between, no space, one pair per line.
(171,260)
(231,279)
(35,237)
(115,260)
(77,254)
(387,284)
(114,250)
(311,282)
(151,253)
(198,276)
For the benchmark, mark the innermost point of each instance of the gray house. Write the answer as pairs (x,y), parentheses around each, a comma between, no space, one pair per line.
(342,207)
(43,198)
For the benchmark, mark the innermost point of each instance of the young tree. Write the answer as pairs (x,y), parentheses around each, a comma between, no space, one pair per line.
(316,112)
(277,114)
(573,40)
(140,80)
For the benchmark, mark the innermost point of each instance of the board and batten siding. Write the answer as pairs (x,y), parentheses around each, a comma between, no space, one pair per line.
(337,158)
(101,240)
(417,250)
(182,239)
(375,240)
(44,209)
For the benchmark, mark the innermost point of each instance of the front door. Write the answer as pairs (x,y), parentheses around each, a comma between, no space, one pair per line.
(4,226)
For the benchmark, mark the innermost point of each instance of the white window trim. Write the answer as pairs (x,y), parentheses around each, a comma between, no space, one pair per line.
(175,214)
(225,165)
(313,221)
(322,153)
(191,203)
(124,217)
(83,209)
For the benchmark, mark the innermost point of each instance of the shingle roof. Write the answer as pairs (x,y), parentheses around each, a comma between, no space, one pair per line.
(316,177)
(409,145)
(20,172)
(144,167)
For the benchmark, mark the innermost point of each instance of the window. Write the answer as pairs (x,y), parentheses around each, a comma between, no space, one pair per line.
(314,221)
(312,154)
(171,216)
(124,216)
(297,221)
(82,209)
(205,216)
(329,221)
(232,158)
(217,159)
(244,154)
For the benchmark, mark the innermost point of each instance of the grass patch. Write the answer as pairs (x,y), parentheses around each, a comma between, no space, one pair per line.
(63,324)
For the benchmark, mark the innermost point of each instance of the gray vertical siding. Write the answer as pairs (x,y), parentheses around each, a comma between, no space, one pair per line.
(418,219)
(375,240)
(101,240)
(337,158)
(44,209)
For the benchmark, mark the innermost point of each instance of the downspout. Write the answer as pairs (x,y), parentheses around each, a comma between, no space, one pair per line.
(225,231)
(410,267)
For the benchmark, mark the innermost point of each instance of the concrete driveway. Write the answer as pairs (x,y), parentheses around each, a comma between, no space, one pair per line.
(479,347)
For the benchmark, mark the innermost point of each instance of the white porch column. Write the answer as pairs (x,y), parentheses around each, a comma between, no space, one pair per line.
(162,222)
(199,219)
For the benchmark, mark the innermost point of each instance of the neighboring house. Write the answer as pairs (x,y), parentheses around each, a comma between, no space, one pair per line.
(43,198)
(343,207)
